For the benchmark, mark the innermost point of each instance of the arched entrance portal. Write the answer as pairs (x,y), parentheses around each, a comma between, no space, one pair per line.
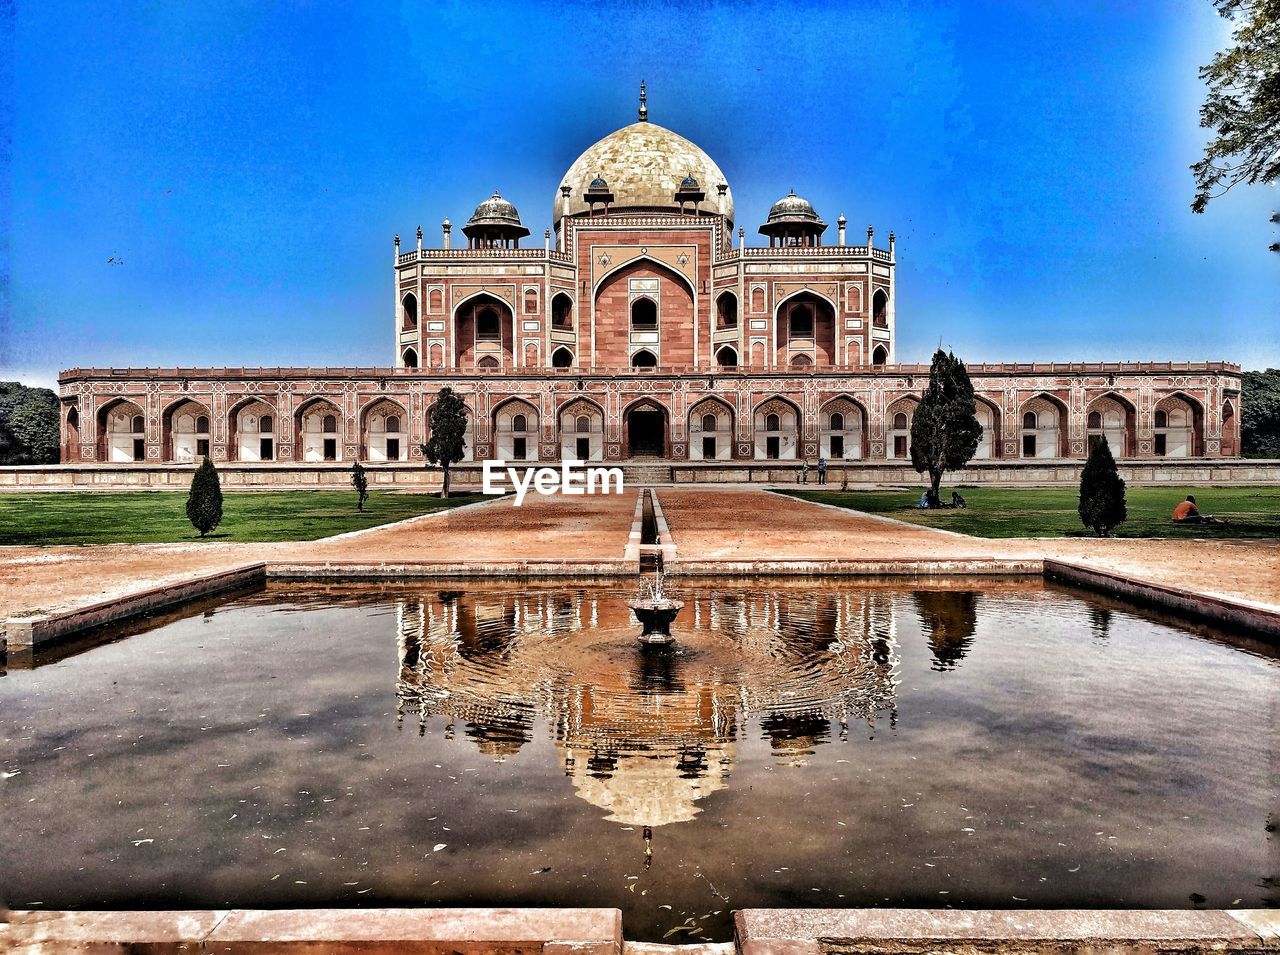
(647,430)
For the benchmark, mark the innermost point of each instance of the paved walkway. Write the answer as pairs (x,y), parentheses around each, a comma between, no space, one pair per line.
(706,523)
(45,579)
(747,524)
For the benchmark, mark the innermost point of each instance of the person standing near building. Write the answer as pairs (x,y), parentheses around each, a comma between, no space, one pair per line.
(804,471)
(822,470)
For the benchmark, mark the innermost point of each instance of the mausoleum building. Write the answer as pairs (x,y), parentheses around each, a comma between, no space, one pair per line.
(641,326)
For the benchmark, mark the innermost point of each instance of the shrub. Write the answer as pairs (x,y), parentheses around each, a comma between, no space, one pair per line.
(1102,505)
(360,481)
(204,503)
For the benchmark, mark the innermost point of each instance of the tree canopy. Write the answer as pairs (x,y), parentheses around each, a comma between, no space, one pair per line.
(1102,502)
(1242,105)
(448,442)
(29,425)
(945,430)
(1260,414)
(204,503)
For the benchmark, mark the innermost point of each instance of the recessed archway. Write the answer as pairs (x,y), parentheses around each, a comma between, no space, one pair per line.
(562,358)
(777,430)
(1178,427)
(1043,433)
(842,429)
(1112,417)
(710,431)
(646,429)
(251,427)
(386,436)
(318,426)
(185,431)
(122,432)
(644,360)
(515,428)
(581,430)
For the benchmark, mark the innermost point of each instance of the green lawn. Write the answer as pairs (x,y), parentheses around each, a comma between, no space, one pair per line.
(1051,512)
(152,517)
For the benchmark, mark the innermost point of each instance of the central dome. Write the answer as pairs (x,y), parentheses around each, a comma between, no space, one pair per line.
(644,165)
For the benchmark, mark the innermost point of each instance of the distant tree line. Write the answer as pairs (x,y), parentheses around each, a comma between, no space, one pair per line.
(28,425)
(1260,414)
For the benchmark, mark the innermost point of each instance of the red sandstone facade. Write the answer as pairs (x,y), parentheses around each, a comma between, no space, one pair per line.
(641,329)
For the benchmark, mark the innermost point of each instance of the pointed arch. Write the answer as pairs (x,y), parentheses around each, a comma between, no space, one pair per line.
(252,429)
(776,423)
(988,413)
(726,357)
(185,431)
(898,415)
(318,427)
(714,443)
(644,359)
(646,428)
(577,443)
(1116,420)
(515,430)
(727,309)
(880,307)
(657,263)
(71,435)
(562,310)
(384,430)
(1182,432)
(805,291)
(120,441)
(562,357)
(484,328)
(1046,437)
(409,359)
(842,428)
(408,312)
(880,355)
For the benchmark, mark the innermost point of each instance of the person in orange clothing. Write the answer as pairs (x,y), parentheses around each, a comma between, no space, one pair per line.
(1187,513)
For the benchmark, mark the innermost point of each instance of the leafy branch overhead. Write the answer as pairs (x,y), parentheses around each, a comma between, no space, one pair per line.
(1242,105)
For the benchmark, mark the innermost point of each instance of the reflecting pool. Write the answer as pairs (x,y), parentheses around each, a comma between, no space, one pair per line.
(1002,743)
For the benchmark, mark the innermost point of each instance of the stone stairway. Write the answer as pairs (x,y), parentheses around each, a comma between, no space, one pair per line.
(641,474)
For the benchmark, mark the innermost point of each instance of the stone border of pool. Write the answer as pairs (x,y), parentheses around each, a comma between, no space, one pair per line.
(26,634)
(822,931)
(445,931)
(472,931)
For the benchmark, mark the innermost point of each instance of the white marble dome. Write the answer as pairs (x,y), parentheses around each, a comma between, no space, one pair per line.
(643,164)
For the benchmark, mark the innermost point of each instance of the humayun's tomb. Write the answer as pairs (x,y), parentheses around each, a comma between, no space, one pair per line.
(642,329)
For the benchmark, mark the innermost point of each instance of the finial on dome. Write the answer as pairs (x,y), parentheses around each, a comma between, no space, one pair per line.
(644,110)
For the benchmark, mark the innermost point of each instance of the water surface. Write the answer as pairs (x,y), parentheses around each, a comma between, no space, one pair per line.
(848,743)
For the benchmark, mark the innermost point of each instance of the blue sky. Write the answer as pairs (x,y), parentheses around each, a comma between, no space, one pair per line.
(246,164)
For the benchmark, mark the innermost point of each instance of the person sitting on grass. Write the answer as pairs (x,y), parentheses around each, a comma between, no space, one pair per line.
(957,500)
(1187,513)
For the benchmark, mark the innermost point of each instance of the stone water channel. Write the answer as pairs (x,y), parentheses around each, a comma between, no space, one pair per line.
(998,744)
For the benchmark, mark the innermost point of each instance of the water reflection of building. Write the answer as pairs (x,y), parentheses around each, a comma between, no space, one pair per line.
(643,735)
(949,619)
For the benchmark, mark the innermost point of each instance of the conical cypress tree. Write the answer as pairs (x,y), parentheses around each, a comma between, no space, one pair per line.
(204,503)
(945,430)
(1102,505)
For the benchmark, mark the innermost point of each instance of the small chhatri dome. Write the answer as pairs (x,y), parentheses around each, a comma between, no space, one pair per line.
(598,183)
(792,220)
(688,182)
(495,215)
(793,208)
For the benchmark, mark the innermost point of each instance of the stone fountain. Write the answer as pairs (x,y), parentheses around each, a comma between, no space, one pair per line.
(655,611)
